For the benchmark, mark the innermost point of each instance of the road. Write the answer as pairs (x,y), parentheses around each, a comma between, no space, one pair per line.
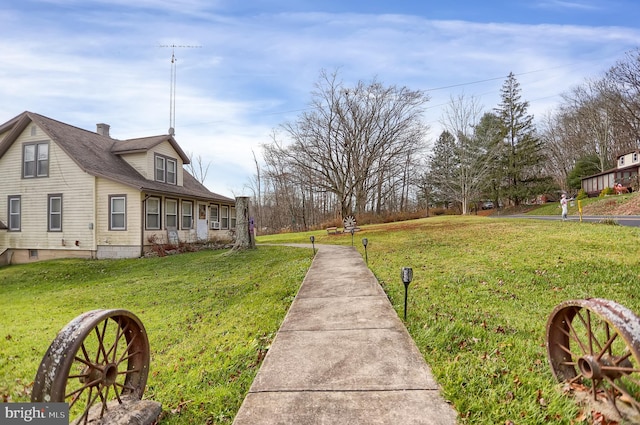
(623,220)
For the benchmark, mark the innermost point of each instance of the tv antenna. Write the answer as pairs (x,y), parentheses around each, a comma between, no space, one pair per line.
(172,85)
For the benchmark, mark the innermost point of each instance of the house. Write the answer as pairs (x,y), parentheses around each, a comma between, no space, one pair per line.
(69,192)
(625,173)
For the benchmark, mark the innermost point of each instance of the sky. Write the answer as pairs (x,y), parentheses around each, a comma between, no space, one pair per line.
(244,68)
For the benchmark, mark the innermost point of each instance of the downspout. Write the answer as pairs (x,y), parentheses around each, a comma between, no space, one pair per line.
(143,209)
(94,225)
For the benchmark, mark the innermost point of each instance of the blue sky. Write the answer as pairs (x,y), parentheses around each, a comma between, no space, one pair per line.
(89,61)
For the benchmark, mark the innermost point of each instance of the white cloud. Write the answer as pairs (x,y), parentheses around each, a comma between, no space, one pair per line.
(253,73)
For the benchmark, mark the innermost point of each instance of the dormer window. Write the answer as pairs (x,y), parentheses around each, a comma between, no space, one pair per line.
(160,168)
(172,165)
(166,169)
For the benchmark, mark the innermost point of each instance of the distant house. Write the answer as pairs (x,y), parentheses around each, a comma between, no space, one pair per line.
(69,192)
(625,173)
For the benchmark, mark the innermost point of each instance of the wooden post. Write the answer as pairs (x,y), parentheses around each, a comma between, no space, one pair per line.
(244,235)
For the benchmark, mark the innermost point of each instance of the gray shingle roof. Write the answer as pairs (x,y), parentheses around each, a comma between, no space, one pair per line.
(99,155)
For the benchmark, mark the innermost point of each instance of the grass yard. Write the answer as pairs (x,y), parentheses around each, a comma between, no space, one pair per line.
(210,317)
(482,293)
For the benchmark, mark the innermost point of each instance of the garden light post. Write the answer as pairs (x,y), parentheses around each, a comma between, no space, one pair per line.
(352,232)
(407,276)
(365,241)
(313,240)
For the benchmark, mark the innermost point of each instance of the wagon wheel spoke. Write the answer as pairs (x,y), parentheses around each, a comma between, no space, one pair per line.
(574,334)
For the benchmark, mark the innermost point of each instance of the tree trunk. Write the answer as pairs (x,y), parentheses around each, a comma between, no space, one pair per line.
(244,225)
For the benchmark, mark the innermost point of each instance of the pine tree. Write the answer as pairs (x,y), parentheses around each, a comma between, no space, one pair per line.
(523,154)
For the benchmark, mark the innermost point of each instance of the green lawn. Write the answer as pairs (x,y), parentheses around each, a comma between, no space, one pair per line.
(210,317)
(482,292)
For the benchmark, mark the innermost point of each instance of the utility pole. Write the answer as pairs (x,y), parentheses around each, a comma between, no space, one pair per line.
(172,85)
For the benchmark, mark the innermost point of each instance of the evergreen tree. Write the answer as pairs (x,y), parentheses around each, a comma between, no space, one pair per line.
(444,166)
(523,155)
(488,135)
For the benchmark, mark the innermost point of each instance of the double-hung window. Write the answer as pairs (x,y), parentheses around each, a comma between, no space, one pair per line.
(233,217)
(117,212)
(214,219)
(224,213)
(35,160)
(187,215)
(153,213)
(171,216)
(55,213)
(160,168)
(15,213)
(166,169)
(172,167)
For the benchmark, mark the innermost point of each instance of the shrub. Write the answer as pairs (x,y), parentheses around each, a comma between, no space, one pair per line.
(607,191)
(582,194)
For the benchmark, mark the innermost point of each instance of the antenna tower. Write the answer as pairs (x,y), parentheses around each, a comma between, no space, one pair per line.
(172,85)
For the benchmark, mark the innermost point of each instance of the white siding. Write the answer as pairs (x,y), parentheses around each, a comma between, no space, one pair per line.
(139,162)
(65,178)
(130,237)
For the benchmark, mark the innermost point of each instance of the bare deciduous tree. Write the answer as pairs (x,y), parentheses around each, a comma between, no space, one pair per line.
(354,142)
(197,167)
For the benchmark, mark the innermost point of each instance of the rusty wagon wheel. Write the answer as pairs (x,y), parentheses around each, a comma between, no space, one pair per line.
(596,343)
(100,356)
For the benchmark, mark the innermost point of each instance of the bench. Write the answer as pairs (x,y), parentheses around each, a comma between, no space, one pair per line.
(332,230)
(348,229)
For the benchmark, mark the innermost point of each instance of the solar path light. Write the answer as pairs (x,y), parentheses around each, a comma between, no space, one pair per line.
(313,240)
(353,230)
(365,242)
(407,277)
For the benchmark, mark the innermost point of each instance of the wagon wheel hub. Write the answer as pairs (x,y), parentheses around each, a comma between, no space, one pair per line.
(109,374)
(590,367)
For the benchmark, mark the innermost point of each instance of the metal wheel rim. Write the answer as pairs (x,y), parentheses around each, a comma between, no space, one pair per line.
(596,342)
(100,356)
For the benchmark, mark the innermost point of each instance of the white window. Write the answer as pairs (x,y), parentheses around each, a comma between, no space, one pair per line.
(187,215)
(233,217)
(117,212)
(14,213)
(214,219)
(160,169)
(172,166)
(635,157)
(55,213)
(35,160)
(166,169)
(153,213)
(171,216)
(621,161)
(224,212)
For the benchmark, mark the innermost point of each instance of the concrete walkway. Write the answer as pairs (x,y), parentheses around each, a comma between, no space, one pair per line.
(342,356)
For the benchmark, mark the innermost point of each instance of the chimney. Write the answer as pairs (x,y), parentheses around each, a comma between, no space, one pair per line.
(102,129)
